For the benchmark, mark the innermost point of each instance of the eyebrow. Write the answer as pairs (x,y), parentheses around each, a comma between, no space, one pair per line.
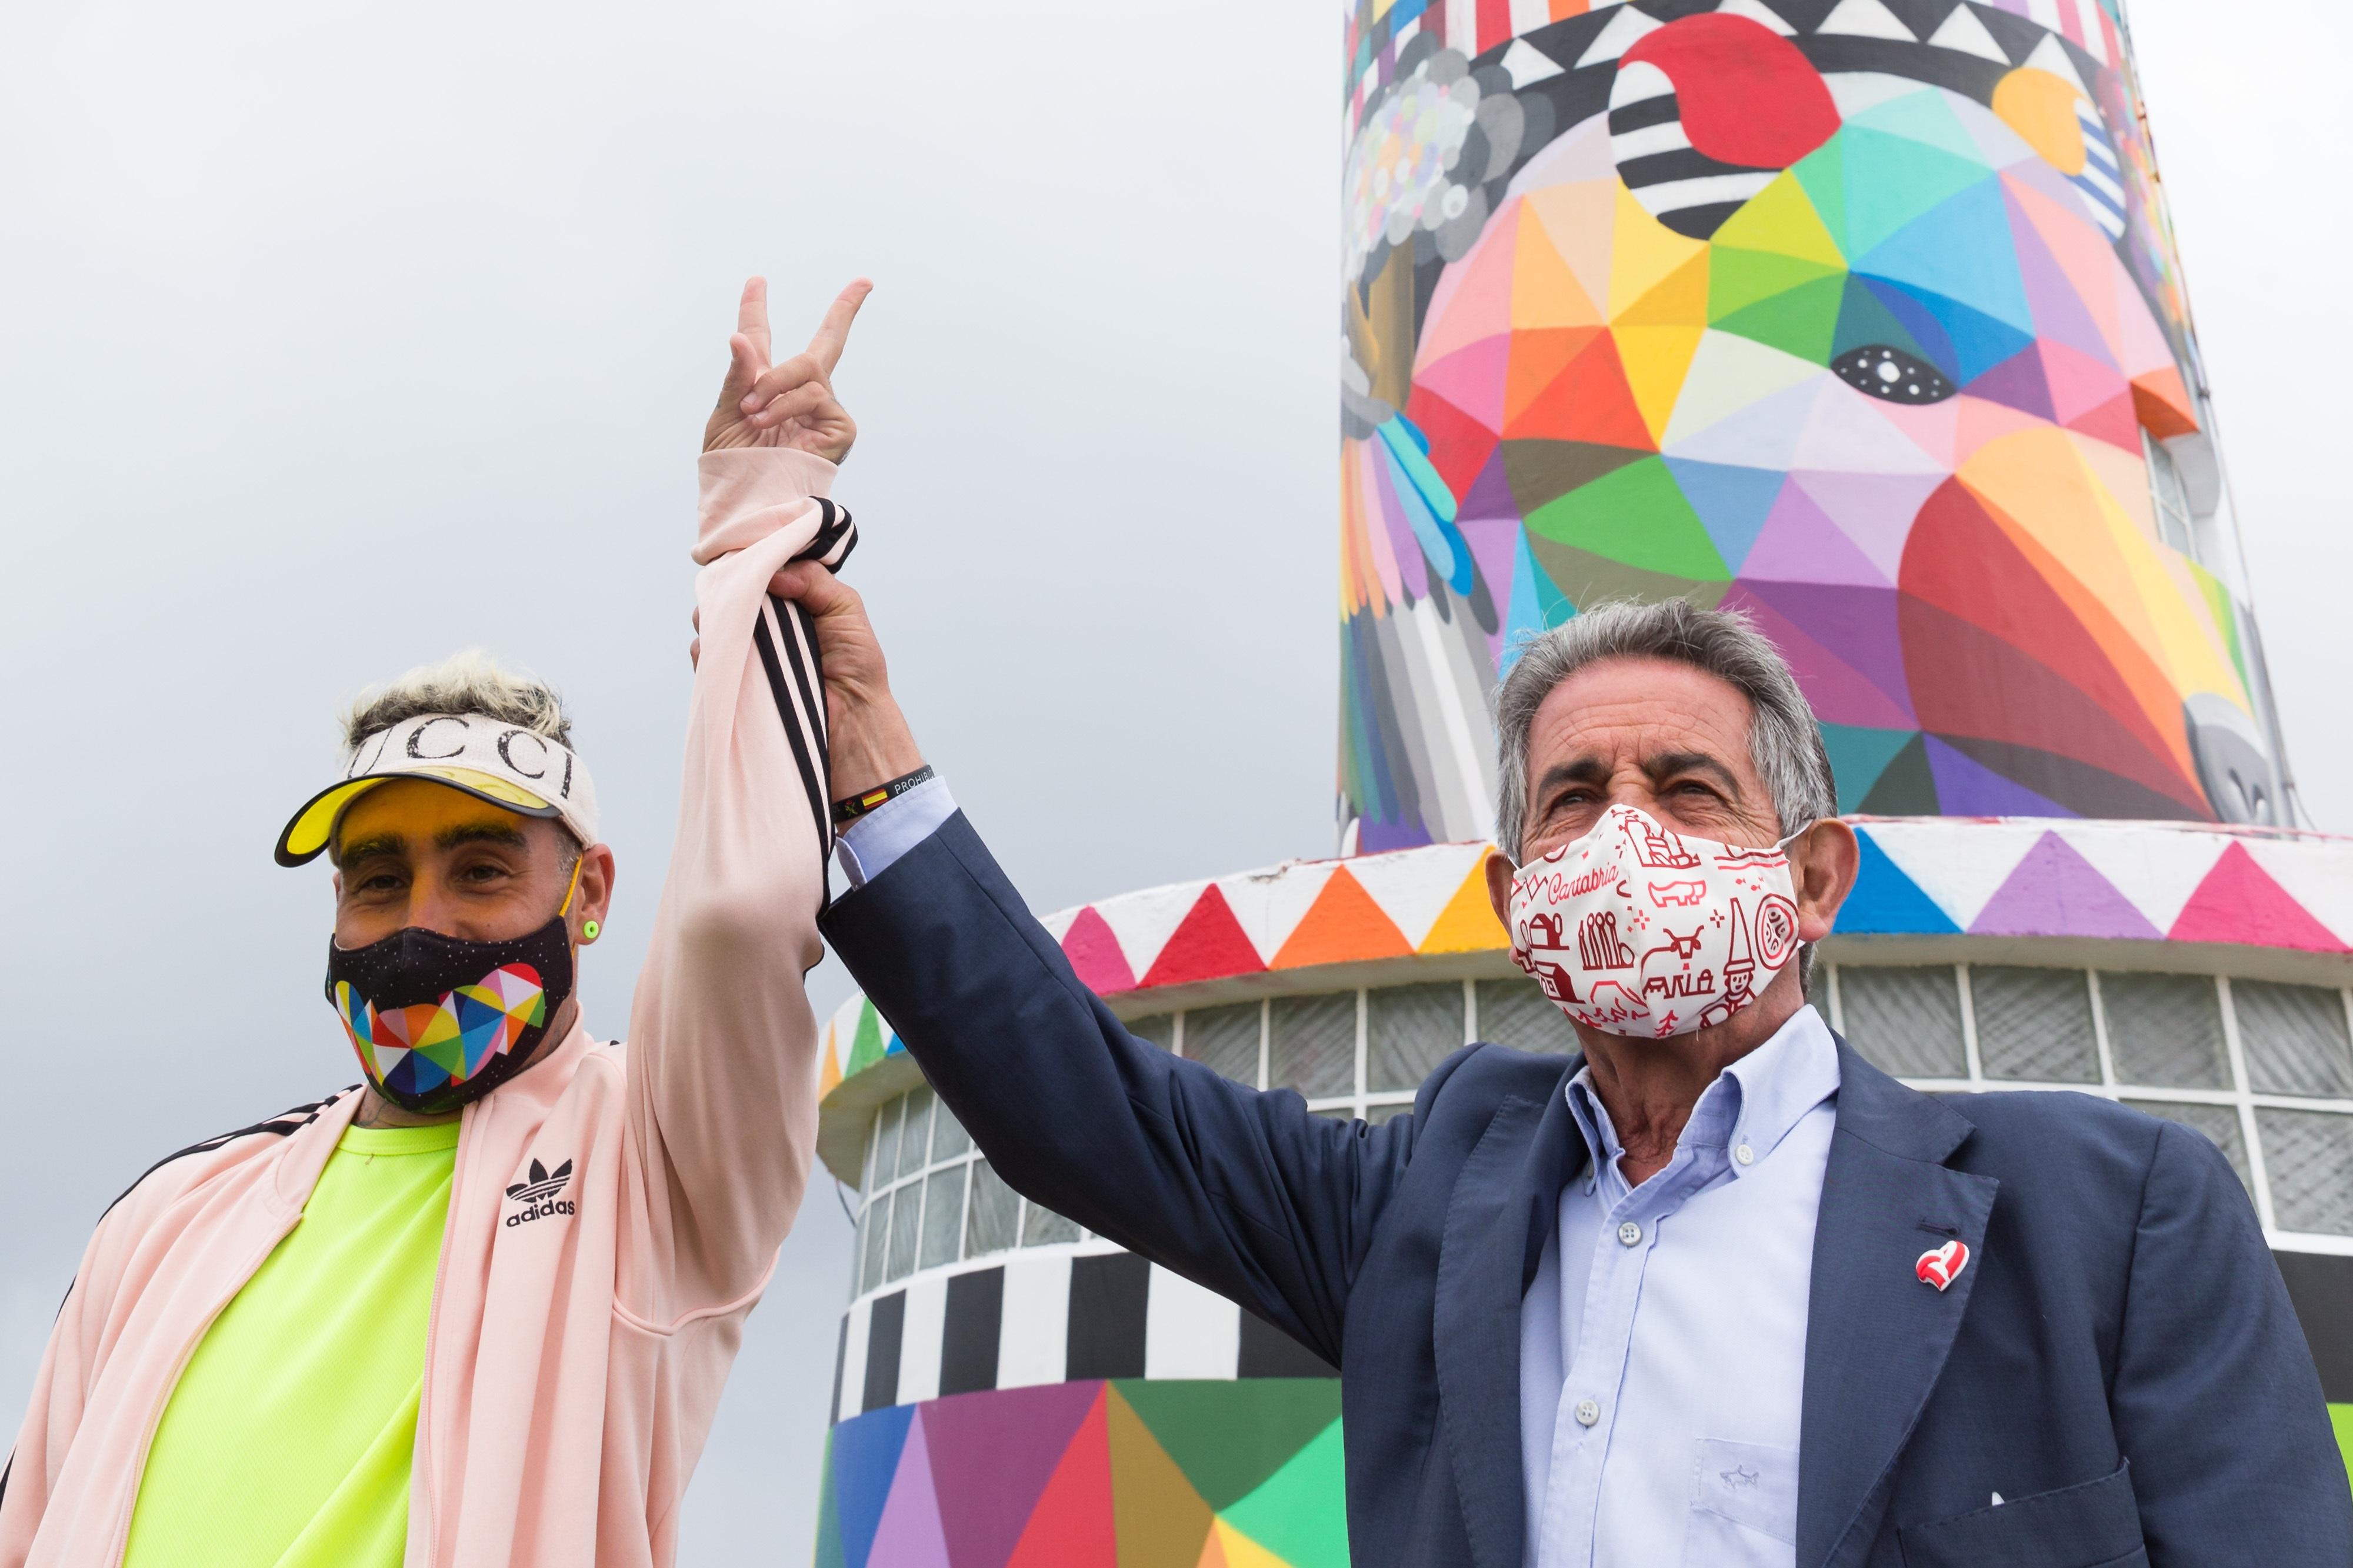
(1590,769)
(447,838)
(360,849)
(1587,769)
(1672,762)
(481,833)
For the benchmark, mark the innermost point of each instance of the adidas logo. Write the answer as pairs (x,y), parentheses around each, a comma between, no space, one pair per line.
(538,1194)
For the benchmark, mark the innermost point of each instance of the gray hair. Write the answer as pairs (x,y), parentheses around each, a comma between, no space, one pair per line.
(470,682)
(1785,739)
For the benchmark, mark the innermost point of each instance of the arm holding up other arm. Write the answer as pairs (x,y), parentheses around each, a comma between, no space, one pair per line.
(1242,1190)
(721,1061)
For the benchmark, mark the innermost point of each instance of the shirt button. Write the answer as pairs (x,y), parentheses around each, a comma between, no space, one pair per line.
(1588,1413)
(1744,1155)
(1631,1234)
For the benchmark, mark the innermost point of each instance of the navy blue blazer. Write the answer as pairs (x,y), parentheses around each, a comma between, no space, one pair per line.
(2119,1361)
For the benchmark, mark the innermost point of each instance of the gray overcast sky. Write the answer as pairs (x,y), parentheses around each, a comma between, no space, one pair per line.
(336,338)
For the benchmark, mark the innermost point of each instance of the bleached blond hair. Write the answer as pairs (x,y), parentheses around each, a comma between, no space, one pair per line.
(469,681)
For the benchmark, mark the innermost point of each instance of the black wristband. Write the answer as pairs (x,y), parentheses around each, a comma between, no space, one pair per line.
(846,812)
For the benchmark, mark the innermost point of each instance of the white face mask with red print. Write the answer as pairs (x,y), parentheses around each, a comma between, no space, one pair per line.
(1642,932)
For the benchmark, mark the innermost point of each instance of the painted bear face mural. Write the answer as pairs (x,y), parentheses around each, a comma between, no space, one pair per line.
(1857,317)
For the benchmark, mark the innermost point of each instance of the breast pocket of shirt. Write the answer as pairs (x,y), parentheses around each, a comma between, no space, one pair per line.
(1744,1506)
(2094,1525)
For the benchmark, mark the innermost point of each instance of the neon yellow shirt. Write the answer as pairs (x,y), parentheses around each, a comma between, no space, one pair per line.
(287,1441)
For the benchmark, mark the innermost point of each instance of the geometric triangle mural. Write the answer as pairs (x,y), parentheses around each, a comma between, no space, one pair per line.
(861,1465)
(1072,1522)
(1920,876)
(1231,1438)
(1880,341)
(1887,901)
(1089,1474)
(2054,891)
(2240,902)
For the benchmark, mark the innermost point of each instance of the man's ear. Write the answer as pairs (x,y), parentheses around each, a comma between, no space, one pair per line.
(1823,863)
(594,901)
(1500,870)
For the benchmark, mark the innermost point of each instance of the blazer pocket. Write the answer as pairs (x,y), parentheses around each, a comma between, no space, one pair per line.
(2094,1525)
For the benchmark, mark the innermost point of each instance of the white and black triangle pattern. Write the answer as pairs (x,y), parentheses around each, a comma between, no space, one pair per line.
(1050,1315)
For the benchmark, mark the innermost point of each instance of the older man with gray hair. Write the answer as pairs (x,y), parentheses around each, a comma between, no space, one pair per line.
(1714,1290)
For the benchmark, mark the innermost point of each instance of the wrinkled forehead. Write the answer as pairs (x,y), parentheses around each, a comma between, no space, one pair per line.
(1640,715)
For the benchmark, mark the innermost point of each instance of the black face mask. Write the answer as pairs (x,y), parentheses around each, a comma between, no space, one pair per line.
(437,1020)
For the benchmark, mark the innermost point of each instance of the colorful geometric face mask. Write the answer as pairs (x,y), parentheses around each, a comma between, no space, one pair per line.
(1639,931)
(437,1020)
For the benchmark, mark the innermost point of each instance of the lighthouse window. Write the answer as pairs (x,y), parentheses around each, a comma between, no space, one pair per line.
(943,1215)
(2309,1156)
(2034,1024)
(886,1142)
(2294,1038)
(2220,1123)
(874,1226)
(1905,1019)
(906,1222)
(1516,1013)
(2168,493)
(995,1219)
(1408,1030)
(915,1137)
(2167,1030)
(949,1139)
(1312,1044)
(1225,1040)
(1044,1227)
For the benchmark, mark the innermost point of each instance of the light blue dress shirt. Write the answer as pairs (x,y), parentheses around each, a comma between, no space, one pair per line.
(867,847)
(1663,1345)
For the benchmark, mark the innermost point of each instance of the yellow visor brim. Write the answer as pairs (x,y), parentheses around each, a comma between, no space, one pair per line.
(313,826)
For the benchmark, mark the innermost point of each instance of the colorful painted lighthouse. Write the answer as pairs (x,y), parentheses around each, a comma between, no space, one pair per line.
(1863,316)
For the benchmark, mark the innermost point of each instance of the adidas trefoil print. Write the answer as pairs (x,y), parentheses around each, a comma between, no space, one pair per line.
(542,1196)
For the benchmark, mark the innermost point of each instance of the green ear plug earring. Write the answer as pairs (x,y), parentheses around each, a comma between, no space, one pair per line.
(590,929)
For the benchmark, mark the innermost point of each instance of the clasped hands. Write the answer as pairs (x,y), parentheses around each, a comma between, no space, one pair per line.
(792,405)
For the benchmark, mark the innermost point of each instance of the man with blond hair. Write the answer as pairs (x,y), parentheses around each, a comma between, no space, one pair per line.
(478,1310)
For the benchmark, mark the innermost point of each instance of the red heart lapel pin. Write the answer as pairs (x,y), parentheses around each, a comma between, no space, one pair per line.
(1941,1266)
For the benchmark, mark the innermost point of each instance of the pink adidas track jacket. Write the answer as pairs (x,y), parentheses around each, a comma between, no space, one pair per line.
(575,1361)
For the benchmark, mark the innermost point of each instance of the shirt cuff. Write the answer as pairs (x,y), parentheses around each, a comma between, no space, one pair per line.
(869,845)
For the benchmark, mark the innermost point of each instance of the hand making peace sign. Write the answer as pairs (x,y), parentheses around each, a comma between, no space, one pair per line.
(792,403)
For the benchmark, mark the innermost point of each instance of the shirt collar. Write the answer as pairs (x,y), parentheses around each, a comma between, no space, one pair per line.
(1755,1102)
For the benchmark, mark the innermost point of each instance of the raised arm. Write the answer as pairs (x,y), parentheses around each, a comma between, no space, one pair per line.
(721,1077)
(1242,1190)
(1245,1191)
